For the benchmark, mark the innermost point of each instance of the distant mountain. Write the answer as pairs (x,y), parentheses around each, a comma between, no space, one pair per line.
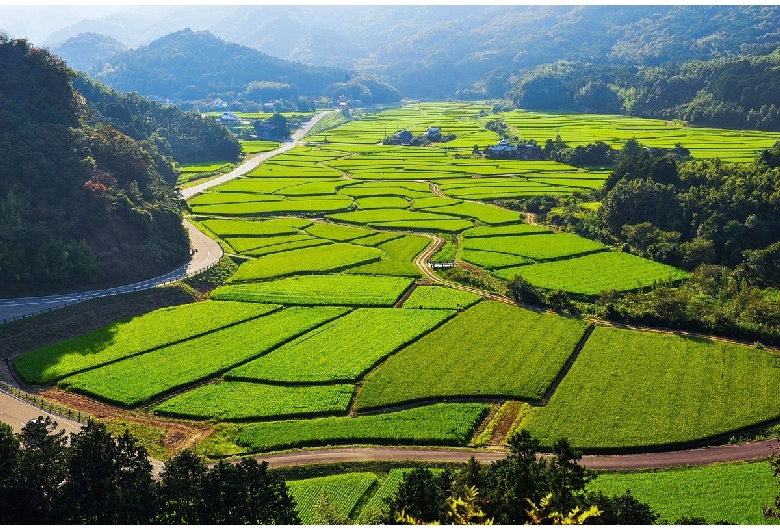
(81,204)
(435,51)
(87,52)
(191,65)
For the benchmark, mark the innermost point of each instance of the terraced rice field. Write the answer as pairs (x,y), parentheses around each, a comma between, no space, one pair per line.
(724,492)
(331,289)
(133,336)
(326,229)
(439,424)
(490,350)
(641,389)
(335,257)
(342,492)
(241,401)
(594,273)
(344,349)
(135,380)
(581,129)
(434,297)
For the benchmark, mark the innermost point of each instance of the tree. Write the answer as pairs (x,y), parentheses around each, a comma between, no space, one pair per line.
(519,477)
(179,489)
(621,509)
(245,493)
(422,495)
(521,291)
(41,472)
(567,478)
(109,480)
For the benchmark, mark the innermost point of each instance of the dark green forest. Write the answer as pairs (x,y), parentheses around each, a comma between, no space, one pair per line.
(94,478)
(81,203)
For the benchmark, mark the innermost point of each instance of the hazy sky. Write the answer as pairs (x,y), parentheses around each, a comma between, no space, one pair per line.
(36,23)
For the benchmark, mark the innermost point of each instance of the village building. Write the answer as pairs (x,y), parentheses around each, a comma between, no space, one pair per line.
(228,118)
(405,137)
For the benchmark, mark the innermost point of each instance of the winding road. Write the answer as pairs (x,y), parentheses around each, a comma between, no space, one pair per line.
(206,252)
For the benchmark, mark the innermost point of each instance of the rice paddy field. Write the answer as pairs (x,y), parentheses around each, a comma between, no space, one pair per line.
(490,350)
(581,129)
(327,333)
(640,389)
(723,492)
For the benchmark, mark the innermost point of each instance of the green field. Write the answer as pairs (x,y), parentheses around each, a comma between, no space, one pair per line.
(397,257)
(238,400)
(594,273)
(440,424)
(244,228)
(535,246)
(135,380)
(332,289)
(724,492)
(641,389)
(132,336)
(515,353)
(344,349)
(335,257)
(493,260)
(581,129)
(435,297)
(343,492)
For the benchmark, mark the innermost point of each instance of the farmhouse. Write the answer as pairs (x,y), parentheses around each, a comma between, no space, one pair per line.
(519,152)
(405,137)
(229,118)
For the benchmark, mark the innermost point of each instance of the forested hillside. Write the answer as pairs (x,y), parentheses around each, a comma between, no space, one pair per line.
(192,64)
(79,204)
(738,92)
(186,137)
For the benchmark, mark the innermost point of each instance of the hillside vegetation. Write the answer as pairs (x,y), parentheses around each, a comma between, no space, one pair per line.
(79,204)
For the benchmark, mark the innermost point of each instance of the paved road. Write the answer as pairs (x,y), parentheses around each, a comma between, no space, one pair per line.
(206,251)
(710,455)
(256,160)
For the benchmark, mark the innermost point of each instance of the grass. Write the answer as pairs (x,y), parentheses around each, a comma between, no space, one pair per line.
(306,260)
(397,257)
(243,228)
(131,336)
(332,289)
(343,493)
(136,380)
(535,246)
(641,389)
(435,297)
(238,400)
(338,232)
(344,349)
(445,424)
(594,273)
(723,492)
(516,354)
(493,260)
(482,212)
